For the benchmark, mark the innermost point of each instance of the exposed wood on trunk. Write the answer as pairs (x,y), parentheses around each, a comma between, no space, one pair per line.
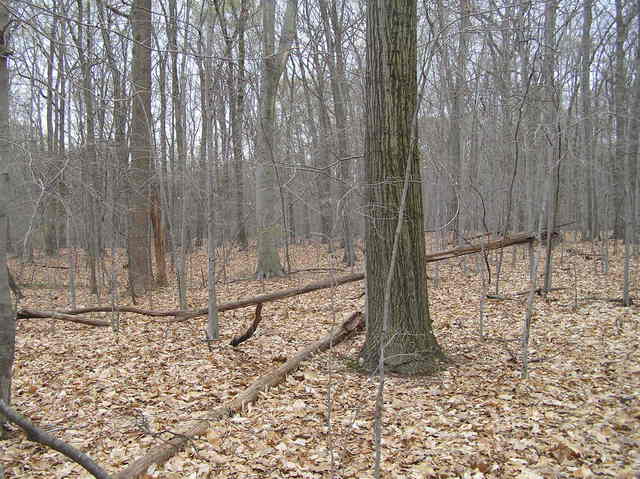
(14,285)
(252,329)
(162,452)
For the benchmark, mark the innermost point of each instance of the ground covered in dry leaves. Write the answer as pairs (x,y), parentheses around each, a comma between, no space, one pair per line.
(114,394)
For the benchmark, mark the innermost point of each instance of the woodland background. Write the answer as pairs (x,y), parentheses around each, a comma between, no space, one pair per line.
(152,150)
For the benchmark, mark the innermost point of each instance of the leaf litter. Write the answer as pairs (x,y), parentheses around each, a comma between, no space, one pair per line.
(115,394)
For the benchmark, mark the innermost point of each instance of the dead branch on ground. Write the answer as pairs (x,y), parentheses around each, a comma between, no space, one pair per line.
(34,433)
(163,452)
(252,329)
(31,314)
(185,315)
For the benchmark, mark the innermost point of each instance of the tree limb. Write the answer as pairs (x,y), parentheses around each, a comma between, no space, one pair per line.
(252,329)
(185,315)
(34,433)
(31,314)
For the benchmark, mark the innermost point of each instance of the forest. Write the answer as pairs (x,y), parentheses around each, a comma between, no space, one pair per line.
(319,239)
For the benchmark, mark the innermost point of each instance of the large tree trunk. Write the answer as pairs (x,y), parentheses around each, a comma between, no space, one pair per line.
(138,239)
(7,317)
(268,216)
(390,142)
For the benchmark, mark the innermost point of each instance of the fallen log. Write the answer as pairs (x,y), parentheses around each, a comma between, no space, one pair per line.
(185,315)
(538,291)
(31,314)
(163,452)
(520,238)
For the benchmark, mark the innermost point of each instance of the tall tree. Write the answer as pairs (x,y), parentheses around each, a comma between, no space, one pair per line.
(390,143)
(273,62)
(179,224)
(84,47)
(621,112)
(333,31)
(587,143)
(237,118)
(553,145)
(138,238)
(7,317)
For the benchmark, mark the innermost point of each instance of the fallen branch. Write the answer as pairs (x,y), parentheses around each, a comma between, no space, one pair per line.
(267,298)
(163,452)
(185,315)
(501,298)
(513,240)
(34,433)
(252,329)
(31,314)
(606,300)
(539,291)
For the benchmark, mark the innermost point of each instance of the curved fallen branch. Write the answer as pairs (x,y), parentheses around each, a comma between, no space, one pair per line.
(163,452)
(34,433)
(252,329)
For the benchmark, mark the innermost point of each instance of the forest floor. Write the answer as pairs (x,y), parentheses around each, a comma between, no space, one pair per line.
(115,394)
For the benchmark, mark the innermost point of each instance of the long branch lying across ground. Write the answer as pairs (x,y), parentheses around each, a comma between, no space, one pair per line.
(185,315)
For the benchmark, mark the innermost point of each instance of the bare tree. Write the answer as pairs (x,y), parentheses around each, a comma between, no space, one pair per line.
(273,63)
(7,316)
(334,38)
(620,105)
(138,239)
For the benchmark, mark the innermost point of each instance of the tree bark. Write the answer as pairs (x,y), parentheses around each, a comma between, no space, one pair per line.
(390,142)
(7,316)
(138,238)
(268,216)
